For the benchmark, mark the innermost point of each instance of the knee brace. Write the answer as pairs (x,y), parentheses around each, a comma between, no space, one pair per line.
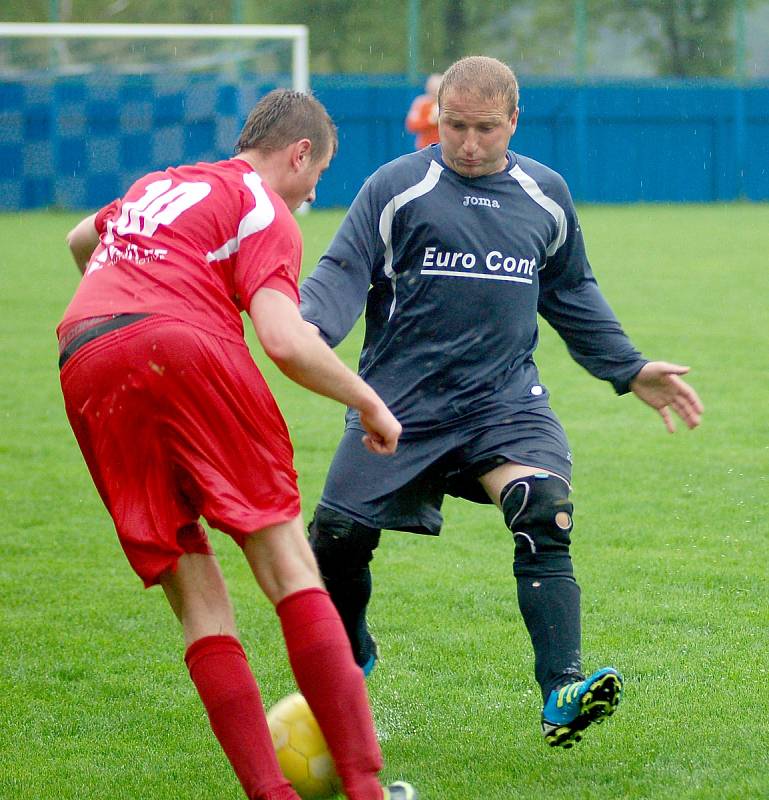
(341,545)
(538,512)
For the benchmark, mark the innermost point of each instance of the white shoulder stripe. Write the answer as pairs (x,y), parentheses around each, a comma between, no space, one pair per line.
(260,216)
(424,186)
(531,187)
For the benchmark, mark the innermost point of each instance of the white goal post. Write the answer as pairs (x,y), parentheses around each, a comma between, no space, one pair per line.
(87,108)
(298,35)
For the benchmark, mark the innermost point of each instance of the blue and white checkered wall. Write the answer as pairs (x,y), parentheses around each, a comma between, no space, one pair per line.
(79,142)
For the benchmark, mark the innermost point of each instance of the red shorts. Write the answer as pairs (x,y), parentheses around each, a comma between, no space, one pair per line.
(177,424)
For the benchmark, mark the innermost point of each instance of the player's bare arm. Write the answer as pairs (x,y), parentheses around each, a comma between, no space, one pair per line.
(82,241)
(300,353)
(658,384)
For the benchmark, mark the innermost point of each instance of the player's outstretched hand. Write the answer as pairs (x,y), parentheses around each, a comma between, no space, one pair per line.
(382,429)
(659,386)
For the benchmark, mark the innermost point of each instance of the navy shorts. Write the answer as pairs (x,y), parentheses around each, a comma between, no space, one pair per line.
(405,491)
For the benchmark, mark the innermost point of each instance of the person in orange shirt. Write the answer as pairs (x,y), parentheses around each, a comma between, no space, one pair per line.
(422,118)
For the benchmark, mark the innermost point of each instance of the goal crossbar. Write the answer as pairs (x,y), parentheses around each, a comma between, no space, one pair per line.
(297,34)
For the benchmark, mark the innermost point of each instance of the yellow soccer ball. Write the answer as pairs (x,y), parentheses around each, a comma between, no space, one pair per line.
(302,751)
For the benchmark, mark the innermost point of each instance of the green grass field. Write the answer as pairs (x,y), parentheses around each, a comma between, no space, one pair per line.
(671,549)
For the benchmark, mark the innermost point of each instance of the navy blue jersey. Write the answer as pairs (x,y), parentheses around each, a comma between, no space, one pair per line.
(451,272)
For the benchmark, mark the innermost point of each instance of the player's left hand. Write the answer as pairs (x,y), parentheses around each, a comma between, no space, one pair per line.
(382,429)
(659,386)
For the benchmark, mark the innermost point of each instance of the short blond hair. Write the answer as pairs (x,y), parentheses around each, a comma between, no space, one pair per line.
(483,77)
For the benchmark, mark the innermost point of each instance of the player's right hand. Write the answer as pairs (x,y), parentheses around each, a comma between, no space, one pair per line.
(382,430)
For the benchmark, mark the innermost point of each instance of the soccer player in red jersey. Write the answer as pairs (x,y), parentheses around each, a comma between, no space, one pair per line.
(176,422)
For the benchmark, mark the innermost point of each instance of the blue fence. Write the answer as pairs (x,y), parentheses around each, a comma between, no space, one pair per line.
(78,142)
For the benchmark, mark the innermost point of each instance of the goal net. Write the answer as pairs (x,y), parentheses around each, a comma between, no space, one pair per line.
(57,49)
(85,109)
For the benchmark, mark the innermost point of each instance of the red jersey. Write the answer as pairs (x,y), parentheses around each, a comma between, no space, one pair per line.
(192,242)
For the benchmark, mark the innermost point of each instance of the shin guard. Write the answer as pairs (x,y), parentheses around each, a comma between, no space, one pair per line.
(539,514)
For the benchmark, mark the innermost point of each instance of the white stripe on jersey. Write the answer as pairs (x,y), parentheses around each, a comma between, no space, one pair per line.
(427,184)
(484,275)
(531,187)
(260,216)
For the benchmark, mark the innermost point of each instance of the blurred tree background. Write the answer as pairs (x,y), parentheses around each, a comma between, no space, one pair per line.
(582,38)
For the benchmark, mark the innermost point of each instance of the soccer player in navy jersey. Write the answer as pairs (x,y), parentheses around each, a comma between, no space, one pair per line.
(453,251)
(176,422)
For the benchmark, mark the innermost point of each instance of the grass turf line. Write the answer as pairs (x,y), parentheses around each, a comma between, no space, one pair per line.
(670,547)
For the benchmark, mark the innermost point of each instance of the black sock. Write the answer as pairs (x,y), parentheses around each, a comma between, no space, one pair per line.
(344,549)
(351,594)
(551,610)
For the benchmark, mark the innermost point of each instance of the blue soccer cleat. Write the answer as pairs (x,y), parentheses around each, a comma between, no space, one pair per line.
(368,667)
(570,709)
(399,791)
(369,664)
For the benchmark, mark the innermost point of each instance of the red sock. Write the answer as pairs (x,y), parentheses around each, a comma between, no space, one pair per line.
(219,669)
(333,685)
